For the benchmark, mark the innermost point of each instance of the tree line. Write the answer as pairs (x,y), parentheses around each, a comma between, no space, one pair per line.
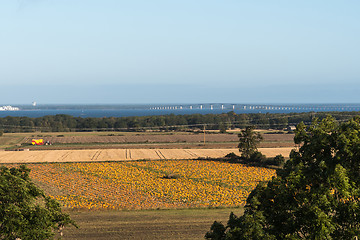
(67,123)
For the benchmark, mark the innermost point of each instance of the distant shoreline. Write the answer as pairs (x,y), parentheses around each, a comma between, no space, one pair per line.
(184,105)
(128,110)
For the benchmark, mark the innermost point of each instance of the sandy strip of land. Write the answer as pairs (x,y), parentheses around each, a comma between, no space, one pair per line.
(96,155)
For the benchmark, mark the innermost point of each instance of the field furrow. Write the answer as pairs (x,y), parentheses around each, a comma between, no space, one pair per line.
(91,155)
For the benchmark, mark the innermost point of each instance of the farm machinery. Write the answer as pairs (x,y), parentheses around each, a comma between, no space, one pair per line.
(40,142)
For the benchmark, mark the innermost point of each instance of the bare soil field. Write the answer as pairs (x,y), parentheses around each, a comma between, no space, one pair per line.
(151,224)
(94,155)
(176,138)
(147,140)
(140,138)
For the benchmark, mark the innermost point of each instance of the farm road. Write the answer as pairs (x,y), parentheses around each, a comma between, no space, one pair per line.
(97,155)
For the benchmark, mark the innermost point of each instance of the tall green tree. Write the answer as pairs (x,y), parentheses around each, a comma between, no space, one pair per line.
(248,141)
(25,211)
(315,196)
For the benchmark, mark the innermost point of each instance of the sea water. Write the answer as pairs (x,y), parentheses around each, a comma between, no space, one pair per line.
(127,110)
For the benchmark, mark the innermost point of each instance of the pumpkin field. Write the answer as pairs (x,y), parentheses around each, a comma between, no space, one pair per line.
(162,184)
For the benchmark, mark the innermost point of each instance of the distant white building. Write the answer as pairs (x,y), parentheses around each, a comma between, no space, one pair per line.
(9,108)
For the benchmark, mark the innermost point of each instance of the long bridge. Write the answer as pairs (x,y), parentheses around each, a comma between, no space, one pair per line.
(261,107)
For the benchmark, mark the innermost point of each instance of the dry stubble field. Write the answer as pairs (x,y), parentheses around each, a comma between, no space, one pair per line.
(96,155)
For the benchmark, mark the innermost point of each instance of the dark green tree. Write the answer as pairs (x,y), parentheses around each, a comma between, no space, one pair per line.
(25,211)
(278,160)
(315,196)
(248,141)
(222,127)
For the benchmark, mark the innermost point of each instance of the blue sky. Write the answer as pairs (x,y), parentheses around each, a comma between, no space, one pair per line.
(114,51)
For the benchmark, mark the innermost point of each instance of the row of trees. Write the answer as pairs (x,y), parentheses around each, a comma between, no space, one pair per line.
(61,123)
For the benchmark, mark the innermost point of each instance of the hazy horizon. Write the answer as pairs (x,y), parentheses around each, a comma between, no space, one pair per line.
(131,52)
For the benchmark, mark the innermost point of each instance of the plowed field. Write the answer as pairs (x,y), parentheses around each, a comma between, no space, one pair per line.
(166,138)
(154,141)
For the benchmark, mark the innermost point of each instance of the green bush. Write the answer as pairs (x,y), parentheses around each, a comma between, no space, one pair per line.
(222,128)
(231,155)
(279,160)
(257,157)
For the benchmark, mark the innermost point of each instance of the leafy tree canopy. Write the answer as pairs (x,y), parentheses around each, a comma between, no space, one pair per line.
(248,141)
(315,196)
(25,211)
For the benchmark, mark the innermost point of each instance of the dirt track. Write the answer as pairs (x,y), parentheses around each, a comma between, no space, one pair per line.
(95,155)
